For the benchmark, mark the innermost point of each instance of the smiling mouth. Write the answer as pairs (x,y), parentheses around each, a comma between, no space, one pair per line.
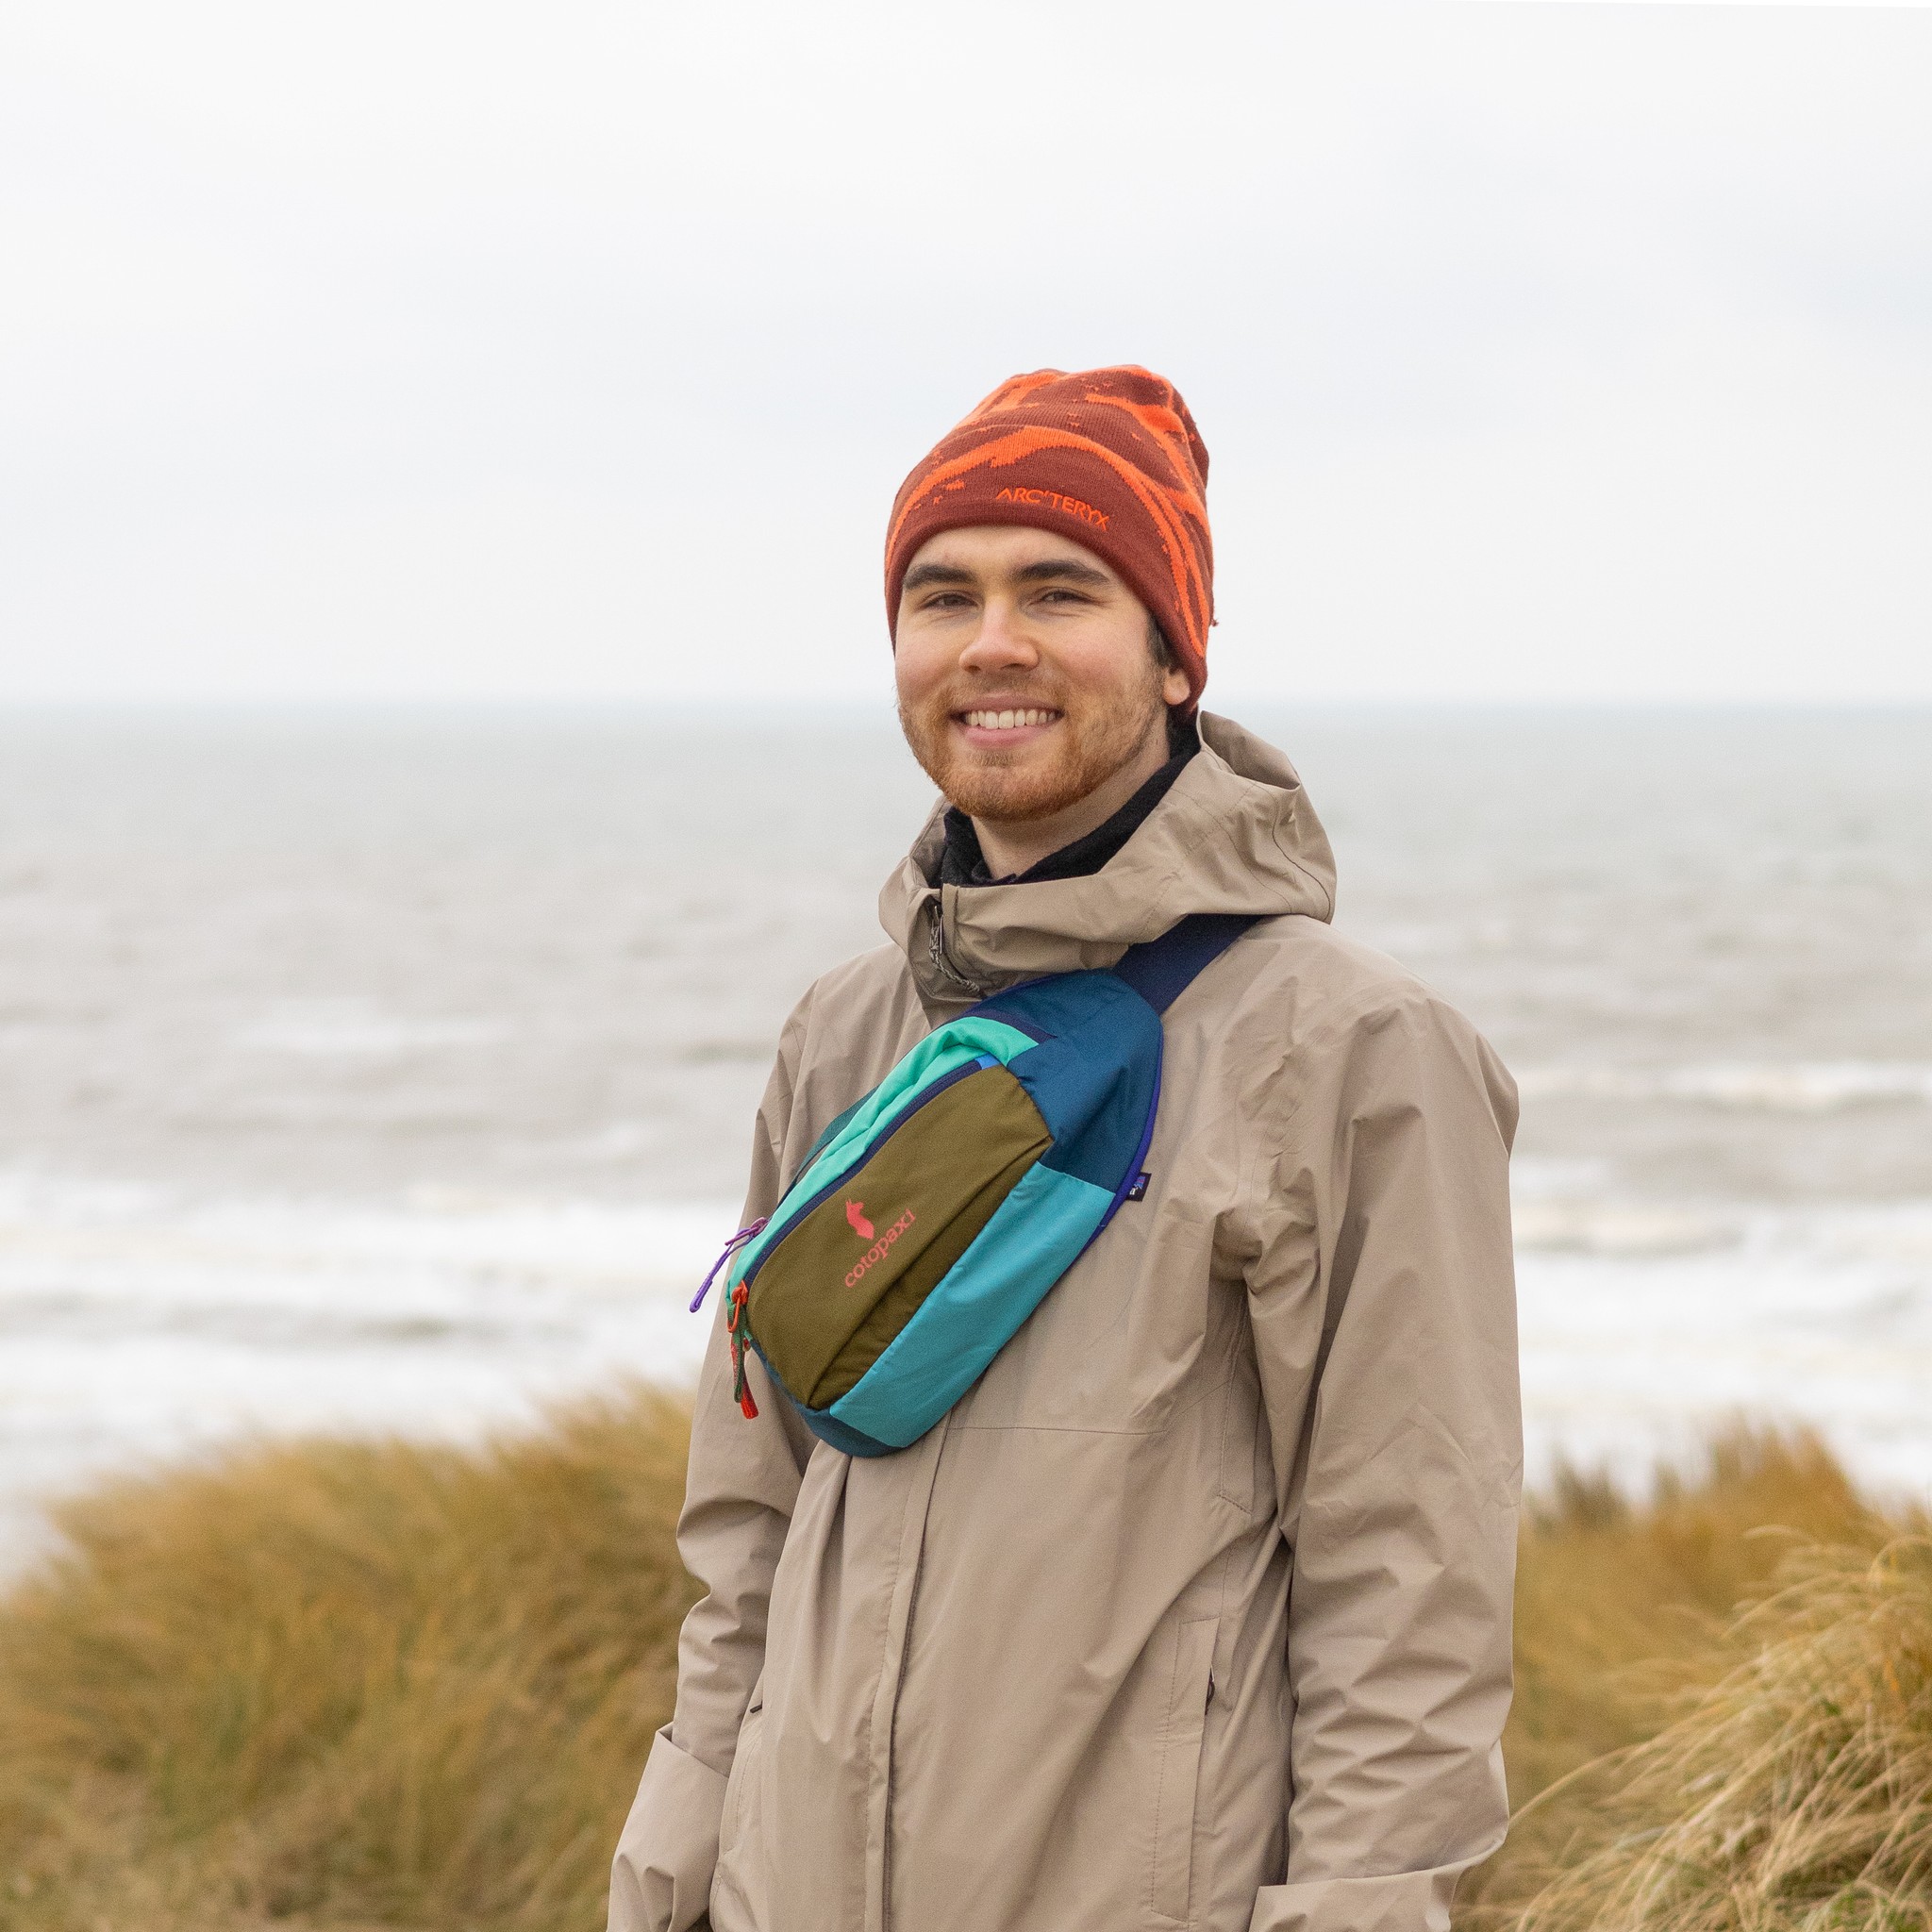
(1018,718)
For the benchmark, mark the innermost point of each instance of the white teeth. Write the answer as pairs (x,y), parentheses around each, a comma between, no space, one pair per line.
(1008,720)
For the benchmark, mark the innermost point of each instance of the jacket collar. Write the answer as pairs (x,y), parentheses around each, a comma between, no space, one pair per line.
(1236,833)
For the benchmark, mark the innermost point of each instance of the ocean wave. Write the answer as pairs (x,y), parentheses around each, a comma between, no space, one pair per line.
(138,1321)
(1820,1316)
(90,1235)
(1597,1227)
(353,1030)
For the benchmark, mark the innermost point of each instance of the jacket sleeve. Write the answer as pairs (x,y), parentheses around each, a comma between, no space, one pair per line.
(1398,1460)
(743,1480)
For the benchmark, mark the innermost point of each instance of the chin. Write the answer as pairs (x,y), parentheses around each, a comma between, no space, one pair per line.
(1037,781)
(1007,794)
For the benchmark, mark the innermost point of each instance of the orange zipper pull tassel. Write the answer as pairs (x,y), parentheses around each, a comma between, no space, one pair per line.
(734,1321)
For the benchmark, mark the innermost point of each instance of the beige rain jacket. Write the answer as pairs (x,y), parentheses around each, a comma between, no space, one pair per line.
(1195,1611)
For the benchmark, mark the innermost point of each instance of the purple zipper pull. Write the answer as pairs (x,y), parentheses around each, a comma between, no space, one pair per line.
(731,1247)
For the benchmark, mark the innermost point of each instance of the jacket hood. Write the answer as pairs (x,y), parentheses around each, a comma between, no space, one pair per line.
(1236,833)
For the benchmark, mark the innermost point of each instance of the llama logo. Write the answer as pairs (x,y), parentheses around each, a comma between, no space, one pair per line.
(855,1213)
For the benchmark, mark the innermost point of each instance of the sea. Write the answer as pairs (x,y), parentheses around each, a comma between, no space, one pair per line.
(393,1071)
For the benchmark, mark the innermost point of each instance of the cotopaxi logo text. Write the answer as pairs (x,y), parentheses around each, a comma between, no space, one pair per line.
(877,1251)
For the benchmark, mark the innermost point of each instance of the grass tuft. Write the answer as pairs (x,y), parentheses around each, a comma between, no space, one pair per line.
(1614,1596)
(385,1688)
(1794,1790)
(1683,1764)
(345,1685)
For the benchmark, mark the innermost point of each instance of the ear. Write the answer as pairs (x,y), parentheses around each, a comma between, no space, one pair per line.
(1174,686)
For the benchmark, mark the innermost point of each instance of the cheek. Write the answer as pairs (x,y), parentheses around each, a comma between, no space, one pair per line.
(1106,670)
(918,668)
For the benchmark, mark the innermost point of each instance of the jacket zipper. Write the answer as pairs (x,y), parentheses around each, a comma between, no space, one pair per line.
(898,1687)
(941,963)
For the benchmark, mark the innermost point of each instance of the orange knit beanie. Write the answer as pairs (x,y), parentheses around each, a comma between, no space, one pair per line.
(1111,458)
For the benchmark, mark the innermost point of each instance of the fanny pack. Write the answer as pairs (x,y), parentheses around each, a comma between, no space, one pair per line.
(935,1215)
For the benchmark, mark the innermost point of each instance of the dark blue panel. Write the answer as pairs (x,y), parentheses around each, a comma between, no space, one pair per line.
(1097,1098)
(1048,1007)
(843,1435)
(1095,1075)
(1011,1008)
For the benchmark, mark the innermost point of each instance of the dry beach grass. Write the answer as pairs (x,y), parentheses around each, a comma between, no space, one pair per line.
(345,1685)
(1791,1789)
(335,1686)
(1723,1712)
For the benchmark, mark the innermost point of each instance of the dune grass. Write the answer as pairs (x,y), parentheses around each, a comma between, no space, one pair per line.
(1614,1598)
(331,1686)
(1630,1619)
(340,1685)
(1790,1791)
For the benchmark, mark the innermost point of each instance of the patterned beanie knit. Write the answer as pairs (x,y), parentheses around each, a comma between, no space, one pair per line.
(1110,458)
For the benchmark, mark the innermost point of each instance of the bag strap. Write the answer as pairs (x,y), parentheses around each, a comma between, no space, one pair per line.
(1161,970)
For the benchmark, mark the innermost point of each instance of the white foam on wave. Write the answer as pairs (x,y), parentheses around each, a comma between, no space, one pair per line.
(136,1322)
(1819,1317)
(1806,1086)
(1612,1228)
(355,1029)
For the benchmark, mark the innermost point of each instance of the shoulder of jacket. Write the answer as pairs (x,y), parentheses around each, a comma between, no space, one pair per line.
(842,1038)
(1358,1027)
(1329,982)
(857,996)
(879,973)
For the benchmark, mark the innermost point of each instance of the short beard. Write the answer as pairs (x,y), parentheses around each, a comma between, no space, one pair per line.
(1096,740)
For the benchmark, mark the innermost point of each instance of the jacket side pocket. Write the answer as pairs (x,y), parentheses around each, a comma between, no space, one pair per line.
(738,1887)
(1179,1775)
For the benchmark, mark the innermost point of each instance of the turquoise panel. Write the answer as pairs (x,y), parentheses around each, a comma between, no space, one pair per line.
(940,1053)
(1035,1236)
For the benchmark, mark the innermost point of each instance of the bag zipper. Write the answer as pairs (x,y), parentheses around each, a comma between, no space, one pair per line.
(738,1311)
(881,1135)
(731,1247)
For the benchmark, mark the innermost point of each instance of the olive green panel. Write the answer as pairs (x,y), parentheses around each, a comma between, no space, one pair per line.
(946,1050)
(901,1301)
(958,1156)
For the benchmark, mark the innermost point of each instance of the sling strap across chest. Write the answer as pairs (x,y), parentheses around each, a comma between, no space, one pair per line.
(936,1214)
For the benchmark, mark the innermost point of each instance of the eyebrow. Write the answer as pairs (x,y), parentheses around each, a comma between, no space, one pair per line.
(922,574)
(1068,568)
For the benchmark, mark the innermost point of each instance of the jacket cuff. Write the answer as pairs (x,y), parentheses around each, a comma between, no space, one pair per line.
(1400,1901)
(660,1880)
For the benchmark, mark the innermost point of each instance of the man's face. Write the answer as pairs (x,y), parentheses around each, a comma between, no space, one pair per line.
(1024,672)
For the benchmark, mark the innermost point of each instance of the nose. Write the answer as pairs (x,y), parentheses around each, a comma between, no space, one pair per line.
(1001,643)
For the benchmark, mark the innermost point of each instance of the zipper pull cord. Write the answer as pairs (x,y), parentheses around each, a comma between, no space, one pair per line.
(731,1247)
(942,960)
(740,1331)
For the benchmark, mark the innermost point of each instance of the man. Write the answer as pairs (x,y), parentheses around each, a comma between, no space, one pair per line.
(1194,1610)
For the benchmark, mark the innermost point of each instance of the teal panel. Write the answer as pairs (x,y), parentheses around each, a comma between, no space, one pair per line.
(940,1053)
(1034,1237)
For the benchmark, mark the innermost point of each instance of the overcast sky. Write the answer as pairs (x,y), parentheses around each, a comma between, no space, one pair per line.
(469,351)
